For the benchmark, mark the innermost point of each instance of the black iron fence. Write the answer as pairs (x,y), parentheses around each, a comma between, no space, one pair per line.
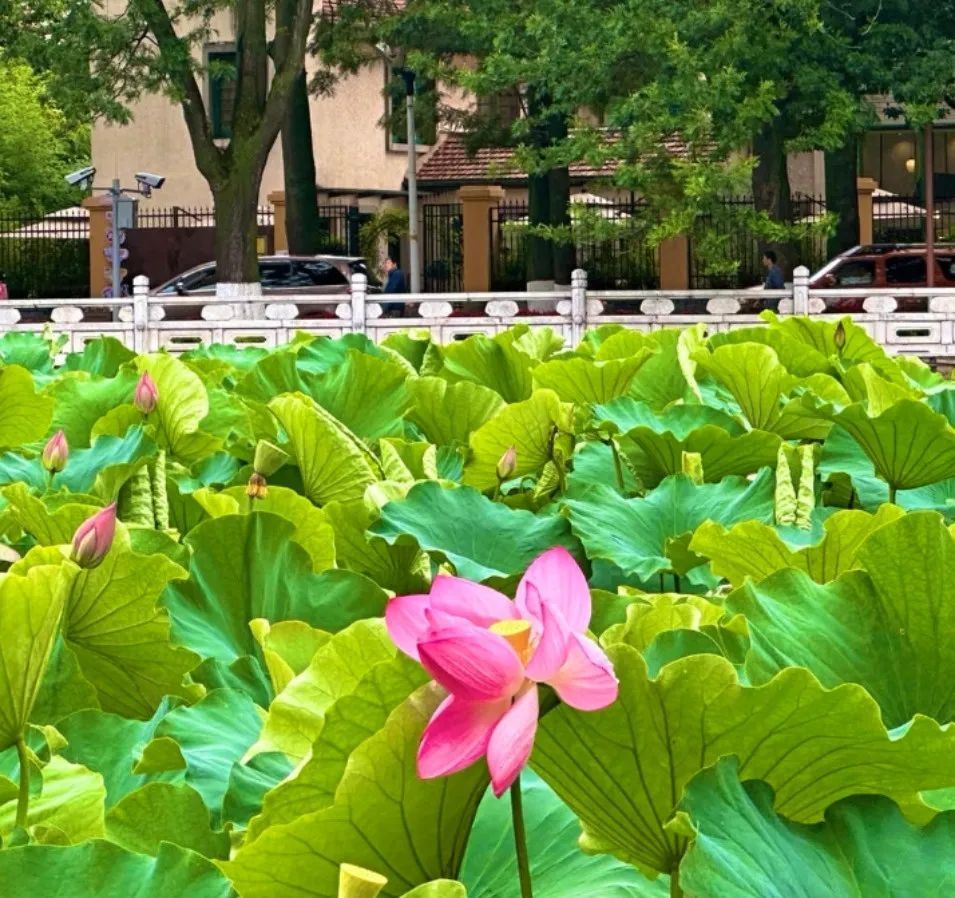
(45,257)
(609,239)
(901,219)
(442,241)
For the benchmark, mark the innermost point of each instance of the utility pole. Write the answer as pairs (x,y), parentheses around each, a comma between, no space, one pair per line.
(414,257)
(928,181)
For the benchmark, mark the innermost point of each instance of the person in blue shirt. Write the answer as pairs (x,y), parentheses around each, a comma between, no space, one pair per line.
(774,274)
(394,283)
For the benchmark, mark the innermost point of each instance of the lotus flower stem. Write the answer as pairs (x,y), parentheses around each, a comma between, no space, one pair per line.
(23,796)
(892,491)
(520,840)
(675,890)
(617,466)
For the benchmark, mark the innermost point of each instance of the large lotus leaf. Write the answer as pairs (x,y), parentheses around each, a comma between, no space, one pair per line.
(793,352)
(183,403)
(333,463)
(81,400)
(581,380)
(438,888)
(312,530)
(622,769)
(481,538)
(351,719)
(821,335)
(744,849)
(114,747)
(627,413)
(753,550)
(64,689)
(613,341)
(662,379)
(288,647)
(882,627)
(48,523)
(448,414)
(97,869)
(492,363)
(559,869)
(70,801)
(594,463)
(410,345)
(296,715)
(31,606)
(245,567)
(635,534)
(909,444)
(539,343)
(404,569)
(120,637)
(654,456)
(384,818)
(865,384)
(25,415)
(102,357)
(29,350)
(527,426)
(163,812)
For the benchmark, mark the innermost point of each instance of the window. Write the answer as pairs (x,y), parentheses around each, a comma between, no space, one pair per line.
(202,280)
(221,74)
(318,274)
(856,273)
(501,109)
(905,270)
(426,111)
(275,274)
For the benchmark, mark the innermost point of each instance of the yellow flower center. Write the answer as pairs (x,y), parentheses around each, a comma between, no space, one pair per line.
(517,633)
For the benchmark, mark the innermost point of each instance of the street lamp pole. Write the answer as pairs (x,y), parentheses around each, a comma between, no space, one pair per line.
(928,181)
(414,260)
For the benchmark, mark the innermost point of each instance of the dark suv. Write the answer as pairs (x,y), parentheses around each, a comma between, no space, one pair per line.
(882,267)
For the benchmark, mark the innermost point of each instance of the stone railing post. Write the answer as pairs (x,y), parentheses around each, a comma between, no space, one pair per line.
(359,297)
(477,201)
(801,290)
(140,313)
(865,189)
(578,305)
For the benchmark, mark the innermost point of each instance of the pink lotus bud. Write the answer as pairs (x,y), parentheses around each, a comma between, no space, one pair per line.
(146,395)
(507,464)
(94,537)
(55,453)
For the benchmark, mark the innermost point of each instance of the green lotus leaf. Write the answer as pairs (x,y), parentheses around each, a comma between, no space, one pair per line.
(31,606)
(97,868)
(245,567)
(449,413)
(796,355)
(25,415)
(627,413)
(81,400)
(909,444)
(481,538)
(646,618)
(865,384)
(663,379)
(623,769)
(439,888)
(288,647)
(118,633)
(238,358)
(71,800)
(407,462)
(583,380)
(384,818)
(404,569)
(754,376)
(538,343)
(333,463)
(559,869)
(753,550)
(163,812)
(410,345)
(594,464)
(633,534)
(183,404)
(296,715)
(879,626)
(28,350)
(48,525)
(312,530)
(102,357)
(490,362)
(527,426)
(743,848)
(351,719)
(64,689)
(820,335)
(654,456)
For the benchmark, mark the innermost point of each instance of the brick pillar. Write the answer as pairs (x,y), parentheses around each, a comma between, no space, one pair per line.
(280,235)
(675,263)
(865,187)
(476,204)
(98,206)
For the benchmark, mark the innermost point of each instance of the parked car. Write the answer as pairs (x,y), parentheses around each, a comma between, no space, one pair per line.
(279,275)
(882,267)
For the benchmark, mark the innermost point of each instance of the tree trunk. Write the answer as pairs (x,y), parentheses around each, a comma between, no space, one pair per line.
(540,262)
(842,195)
(301,194)
(563,252)
(771,188)
(237,229)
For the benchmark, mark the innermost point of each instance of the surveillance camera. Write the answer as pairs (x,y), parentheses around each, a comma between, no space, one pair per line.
(148,181)
(82,177)
(383,49)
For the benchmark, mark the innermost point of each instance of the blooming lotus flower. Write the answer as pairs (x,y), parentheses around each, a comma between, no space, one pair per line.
(94,537)
(55,453)
(490,653)
(146,395)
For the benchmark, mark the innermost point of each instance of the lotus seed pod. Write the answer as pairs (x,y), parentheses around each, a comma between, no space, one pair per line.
(268,458)
(692,464)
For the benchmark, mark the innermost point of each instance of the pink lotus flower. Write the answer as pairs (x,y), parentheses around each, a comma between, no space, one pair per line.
(146,395)
(55,453)
(490,653)
(94,537)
